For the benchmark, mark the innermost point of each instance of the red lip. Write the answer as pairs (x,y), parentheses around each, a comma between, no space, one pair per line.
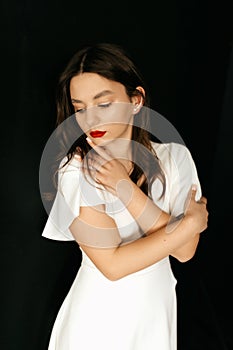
(97,133)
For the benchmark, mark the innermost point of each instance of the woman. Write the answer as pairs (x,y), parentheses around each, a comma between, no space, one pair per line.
(128,201)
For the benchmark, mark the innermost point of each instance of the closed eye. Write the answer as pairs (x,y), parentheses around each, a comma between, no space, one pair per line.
(101,105)
(81,110)
(104,105)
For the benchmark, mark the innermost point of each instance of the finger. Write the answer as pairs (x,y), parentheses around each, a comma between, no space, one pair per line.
(193,192)
(96,161)
(194,189)
(93,173)
(190,196)
(96,165)
(203,200)
(99,150)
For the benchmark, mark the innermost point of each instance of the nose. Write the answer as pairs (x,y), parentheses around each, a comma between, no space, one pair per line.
(88,119)
(92,117)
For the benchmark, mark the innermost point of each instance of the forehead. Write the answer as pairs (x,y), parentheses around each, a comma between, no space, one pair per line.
(87,85)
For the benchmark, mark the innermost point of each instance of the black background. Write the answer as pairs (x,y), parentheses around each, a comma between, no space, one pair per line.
(184,50)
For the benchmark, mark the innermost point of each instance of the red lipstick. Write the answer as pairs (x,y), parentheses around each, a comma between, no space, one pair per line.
(97,133)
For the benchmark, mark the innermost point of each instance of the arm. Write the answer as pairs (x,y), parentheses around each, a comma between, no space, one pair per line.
(123,260)
(148,215)
(187,251)
(118,262)
(150,218)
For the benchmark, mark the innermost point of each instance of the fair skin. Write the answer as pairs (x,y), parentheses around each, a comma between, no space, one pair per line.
(94,96)
(93,93)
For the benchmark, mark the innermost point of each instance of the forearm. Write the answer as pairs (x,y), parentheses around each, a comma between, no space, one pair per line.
(147,214)
(125,259)
(117,261)
(151,249)
(187,251)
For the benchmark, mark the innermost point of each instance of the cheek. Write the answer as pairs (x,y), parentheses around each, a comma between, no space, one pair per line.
(117,129)
(82,124)
(118,113)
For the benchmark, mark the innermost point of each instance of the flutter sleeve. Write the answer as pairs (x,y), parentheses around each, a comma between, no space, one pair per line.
(73,192)
(184,176)
(181,173)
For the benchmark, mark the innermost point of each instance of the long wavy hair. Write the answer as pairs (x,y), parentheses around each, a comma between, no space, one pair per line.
(111,62)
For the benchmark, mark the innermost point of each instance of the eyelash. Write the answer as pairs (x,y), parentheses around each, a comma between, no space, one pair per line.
(103,105)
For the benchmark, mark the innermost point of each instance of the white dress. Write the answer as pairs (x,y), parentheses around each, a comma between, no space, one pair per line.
(136,312)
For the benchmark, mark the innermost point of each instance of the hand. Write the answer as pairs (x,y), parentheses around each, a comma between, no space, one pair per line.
(106,170)
(197,211)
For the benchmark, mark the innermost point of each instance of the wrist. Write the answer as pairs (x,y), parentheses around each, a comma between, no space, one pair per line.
(125,190)
(190,223)
(185,223)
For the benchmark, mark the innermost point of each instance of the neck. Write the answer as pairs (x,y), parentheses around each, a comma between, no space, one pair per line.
(120,148)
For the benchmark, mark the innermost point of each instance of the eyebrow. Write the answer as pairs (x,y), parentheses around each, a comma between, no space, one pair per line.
(100,94)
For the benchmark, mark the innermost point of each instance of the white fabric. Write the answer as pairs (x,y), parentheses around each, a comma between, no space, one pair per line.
(137,312)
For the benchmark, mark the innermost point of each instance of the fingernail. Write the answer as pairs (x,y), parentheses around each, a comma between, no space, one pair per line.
(88,140)
(194,187)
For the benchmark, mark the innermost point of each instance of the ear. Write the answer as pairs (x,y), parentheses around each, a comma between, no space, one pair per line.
(138,99)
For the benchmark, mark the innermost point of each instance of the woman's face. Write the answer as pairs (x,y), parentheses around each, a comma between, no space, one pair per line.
(103,109)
